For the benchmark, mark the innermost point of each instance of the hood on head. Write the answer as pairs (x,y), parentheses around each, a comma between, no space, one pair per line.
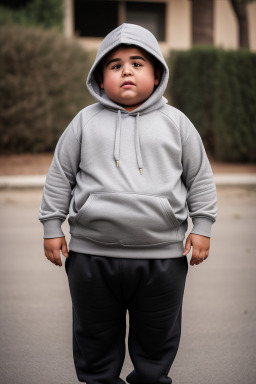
(130,34)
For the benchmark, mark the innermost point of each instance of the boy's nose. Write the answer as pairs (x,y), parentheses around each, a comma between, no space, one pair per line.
(127,71)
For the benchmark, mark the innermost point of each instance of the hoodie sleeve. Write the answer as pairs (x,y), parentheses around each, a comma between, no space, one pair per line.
(60,180)
(198,178)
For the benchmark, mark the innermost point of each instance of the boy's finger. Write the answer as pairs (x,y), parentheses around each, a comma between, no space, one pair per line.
(49,256)
(46,254)
(203,255)
(187,247)
(57,259)
(64,249)
(193,261)
(195,254)
(198,257)
(195,257)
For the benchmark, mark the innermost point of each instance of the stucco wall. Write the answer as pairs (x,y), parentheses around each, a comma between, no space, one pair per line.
(178,25)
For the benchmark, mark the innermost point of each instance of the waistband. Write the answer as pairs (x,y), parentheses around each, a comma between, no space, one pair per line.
(168,250)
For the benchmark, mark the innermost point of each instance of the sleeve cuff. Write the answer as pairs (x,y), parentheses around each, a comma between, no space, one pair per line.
(202,226)
(52,229)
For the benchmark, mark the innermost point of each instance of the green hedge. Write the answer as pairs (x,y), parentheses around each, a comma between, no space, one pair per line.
(39,13)
(42,87)
(216,89)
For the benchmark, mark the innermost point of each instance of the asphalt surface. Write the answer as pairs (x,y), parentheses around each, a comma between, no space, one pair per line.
(218,343)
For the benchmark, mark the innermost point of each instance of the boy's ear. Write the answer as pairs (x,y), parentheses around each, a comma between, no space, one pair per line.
(158,74)
(99,79)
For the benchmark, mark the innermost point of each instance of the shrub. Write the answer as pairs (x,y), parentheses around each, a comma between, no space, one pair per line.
(40,13)
(235,101)
(42,87)
(216,89)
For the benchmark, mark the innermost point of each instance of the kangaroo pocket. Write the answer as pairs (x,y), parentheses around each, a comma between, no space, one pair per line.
(129,219)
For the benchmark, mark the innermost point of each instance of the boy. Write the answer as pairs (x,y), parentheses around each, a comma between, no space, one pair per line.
(127,170)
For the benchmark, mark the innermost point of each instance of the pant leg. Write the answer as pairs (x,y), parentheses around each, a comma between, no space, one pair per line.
(99,318)
(155,319)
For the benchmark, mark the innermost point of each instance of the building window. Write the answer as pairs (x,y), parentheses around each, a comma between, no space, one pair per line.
(148,15)
(95,18)
(14,4)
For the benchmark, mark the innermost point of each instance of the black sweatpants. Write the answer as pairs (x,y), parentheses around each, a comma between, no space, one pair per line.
(102,290)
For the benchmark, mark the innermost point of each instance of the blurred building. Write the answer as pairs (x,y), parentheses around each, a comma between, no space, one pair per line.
(169,20)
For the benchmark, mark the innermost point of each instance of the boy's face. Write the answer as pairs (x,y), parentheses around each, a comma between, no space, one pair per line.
(129,77)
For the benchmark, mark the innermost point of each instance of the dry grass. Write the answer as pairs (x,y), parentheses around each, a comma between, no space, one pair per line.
(36,164)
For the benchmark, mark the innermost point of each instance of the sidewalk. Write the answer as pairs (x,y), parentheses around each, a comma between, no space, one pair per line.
(37,181)
(218,342)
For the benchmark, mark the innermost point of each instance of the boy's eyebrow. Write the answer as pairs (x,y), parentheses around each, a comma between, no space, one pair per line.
(112,61)
(137,57)
(131,58)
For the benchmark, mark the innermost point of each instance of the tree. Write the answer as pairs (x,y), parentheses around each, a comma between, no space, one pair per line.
(239,7)
(202,22)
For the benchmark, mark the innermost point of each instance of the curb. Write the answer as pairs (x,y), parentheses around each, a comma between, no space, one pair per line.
(235,179)
(37,181)
(26,181)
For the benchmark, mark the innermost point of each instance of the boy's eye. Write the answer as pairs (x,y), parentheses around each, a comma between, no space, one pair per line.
(136,64)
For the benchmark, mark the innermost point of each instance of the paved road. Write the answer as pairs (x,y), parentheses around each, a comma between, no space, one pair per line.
(218,342)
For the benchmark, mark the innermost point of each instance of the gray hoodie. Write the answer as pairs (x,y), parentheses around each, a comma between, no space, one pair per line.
(138,209)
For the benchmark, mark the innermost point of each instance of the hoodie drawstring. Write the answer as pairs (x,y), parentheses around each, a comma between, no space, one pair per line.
(137,141)
(118,138)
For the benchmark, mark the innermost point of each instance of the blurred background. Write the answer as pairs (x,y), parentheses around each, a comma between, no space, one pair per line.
(46,50)
(48,46)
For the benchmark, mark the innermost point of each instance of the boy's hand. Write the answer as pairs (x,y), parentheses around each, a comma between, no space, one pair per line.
(52,249)
(201,246)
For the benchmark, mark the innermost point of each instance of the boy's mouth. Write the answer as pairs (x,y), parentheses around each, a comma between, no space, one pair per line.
(127,84)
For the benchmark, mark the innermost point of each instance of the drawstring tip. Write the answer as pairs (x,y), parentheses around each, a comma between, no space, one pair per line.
(117,163)
(141,171)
